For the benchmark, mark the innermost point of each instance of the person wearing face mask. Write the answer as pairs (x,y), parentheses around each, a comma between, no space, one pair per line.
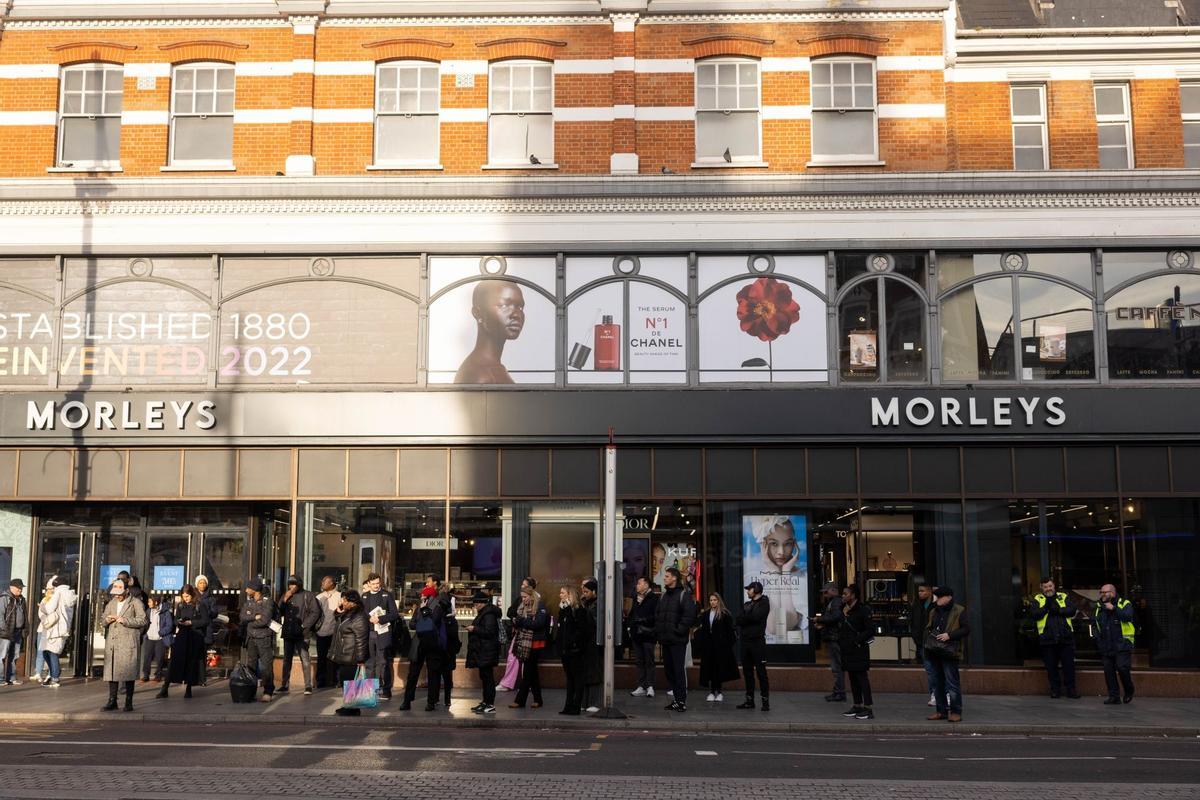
(573,626)
(124,618)
(945,630)
(752,629)
(1114,631)
(258,612)
(641,634)
(673,621)
(592,657)
(348,645)
(1054,614)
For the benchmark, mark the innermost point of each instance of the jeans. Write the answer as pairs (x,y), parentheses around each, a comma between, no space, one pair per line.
(1118,664)
(860,686)
(10,651)
(673,656)
(946,681)
(835,666)
(54,664)
(754,663)
(1052,655)
(644,653)
(487,678)
(154,654)
(435,663)
(930,669)
(260,654)
(379,664)
(292,647)
(325,667)
(531,680)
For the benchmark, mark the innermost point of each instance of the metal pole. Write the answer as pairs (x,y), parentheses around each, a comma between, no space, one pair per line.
(611,590)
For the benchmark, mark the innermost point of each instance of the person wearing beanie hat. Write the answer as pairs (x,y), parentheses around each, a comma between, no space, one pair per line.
(483,649)
(14,621)
(944,632)
(258,615)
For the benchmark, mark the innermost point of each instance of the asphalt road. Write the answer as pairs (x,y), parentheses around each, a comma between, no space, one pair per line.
(72,750)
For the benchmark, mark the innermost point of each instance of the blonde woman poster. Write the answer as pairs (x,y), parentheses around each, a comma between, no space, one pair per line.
(775,553)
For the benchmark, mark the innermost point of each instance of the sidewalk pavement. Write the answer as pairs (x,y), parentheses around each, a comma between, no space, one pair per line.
(791,712)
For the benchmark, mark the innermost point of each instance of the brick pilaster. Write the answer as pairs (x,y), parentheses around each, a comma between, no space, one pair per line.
(624,159)
(300,159)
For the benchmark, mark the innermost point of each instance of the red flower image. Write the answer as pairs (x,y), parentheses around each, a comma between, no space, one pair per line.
(766,309)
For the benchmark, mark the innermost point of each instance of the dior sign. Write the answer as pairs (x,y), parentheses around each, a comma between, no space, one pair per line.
(951,412)
(126,415)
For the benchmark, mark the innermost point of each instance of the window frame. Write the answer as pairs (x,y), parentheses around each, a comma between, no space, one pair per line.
(1112,120)
(1025,121)
(104,67)
(492,162)
(1190,119)
(818,159)
(883,350)
(175,114)
(738,161)
(418,65)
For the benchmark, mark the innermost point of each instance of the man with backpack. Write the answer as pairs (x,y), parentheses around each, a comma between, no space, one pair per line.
(429,625)
(14,622)
(381,612)
(301,617)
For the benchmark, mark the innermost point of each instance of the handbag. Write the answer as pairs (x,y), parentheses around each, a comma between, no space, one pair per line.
(362,692)
(947,650)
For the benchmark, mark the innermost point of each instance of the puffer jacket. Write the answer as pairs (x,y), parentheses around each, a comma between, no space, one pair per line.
(674,616)
(349,645)
(483,643)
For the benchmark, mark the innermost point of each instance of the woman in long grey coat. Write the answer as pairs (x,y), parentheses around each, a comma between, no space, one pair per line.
(124,618)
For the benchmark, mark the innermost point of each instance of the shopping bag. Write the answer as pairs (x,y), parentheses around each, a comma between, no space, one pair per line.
(362,692)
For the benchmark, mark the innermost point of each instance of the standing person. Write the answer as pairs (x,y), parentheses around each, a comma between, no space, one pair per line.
(349,643)
(258,612)
(673,620)
(56,613)
(301,617)
(831,621)
(919,614)
(205,598)
(592,657)
(133,586)
(123,618)
(381,611)
(855,637)
(1053,613)
(188,651)
(483,649)
(14,622)
(160,633)
(429,624)
(328,600)
(641,635)
(512,670)
(1114,631)
(40,660)
(453,643)
(532,623)
(573,624)
(714,642)
(945,629)
(752,628)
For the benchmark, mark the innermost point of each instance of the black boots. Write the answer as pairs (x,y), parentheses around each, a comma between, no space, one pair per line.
(162,693)
(128,696)
(111,705)
(766,704)
(748,704)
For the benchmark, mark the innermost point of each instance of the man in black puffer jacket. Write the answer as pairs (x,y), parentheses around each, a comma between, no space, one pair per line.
(673,620)
(752,628)
(483,649)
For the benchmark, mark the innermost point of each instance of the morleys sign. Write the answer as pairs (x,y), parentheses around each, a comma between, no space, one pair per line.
(969,412)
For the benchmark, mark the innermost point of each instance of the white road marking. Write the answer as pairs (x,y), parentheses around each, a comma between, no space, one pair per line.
(1154,758)
(1036,758)
(706,752)
(824,755)
(239,746)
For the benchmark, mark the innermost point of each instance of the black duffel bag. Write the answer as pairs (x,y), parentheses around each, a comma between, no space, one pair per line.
(243,684)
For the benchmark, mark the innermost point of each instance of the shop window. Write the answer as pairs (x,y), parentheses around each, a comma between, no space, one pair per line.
(909,265)
(728,118)
(1154,328)
(202,115)
(1162,560)
(520,115)
(407,100)
(1029,127)
(89,111)
(977,332)
(1114,128)
(1123,267)
(476,551)
(844,117)
(1056,331)
(882,327)
(1189,105)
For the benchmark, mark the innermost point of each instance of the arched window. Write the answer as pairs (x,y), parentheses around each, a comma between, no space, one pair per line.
(881,318)
(89,116)
(407,103)
(521,113)
(728,111)
(202,97)
(1154,328)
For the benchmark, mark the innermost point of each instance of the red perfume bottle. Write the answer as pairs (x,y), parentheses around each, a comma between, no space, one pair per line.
(608,345)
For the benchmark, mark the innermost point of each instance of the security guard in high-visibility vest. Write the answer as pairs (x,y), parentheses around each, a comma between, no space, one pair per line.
(1053,613)
(1113,628)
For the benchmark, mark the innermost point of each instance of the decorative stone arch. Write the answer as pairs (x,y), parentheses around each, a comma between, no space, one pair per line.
(728,45)
(844,44)
(203,50)
(408,48)
(84,52)
(521,47)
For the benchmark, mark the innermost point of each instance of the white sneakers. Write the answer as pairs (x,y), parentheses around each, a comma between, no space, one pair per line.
(932,700)
(712,698)
(649,691)
(592,709)
(638,692)
(720,698)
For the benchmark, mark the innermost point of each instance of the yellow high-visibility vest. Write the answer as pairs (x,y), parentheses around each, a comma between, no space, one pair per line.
(1062,603)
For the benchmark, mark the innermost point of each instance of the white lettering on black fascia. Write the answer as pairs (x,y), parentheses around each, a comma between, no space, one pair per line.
(1000,412)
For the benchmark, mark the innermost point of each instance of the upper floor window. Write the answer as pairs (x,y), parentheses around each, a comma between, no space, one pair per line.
(1189,104)
(521,114)
(89,126)
(407,99)
(881,317)
(728,118)
(1115,132)
(1029,127)
(844,118)
(202,115)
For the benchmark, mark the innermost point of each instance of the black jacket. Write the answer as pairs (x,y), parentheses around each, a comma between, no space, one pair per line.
(301,615)
(573,624)
(349,643)
(1106,626)
(919,614)
(189,649)
(209,602)
(1057,629)
(14,615)
(674,616)
(714,645)
(264,609)
(854,635)
(382,600)
(483,643)
(641,618)
(752,622)
(831,619)
(436,610)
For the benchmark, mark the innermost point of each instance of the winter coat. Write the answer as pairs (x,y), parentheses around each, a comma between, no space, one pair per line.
(831,619)
(483,643)
(641,618)
(674,616)
(328,603)
(854,634)
(752,622)
(1054,616)
(209,602)
(714,645)
(56,616)
(387,604)
(14,615)
(573,625)
(121,639)
(453,641)
(593,654)
(1106,627)
(260,628)
(166,623)
(951,620)
(919,614)
(301,615)
(349,645)
(189,651)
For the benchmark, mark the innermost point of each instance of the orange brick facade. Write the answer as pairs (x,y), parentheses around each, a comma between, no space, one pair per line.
(307,91)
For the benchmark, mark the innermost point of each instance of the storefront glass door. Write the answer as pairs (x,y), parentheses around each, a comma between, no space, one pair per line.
(223,561)
(62,556)
(113,553)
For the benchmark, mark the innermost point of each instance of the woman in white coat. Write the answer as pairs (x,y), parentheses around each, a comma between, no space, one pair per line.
(56,612)
(124,619)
